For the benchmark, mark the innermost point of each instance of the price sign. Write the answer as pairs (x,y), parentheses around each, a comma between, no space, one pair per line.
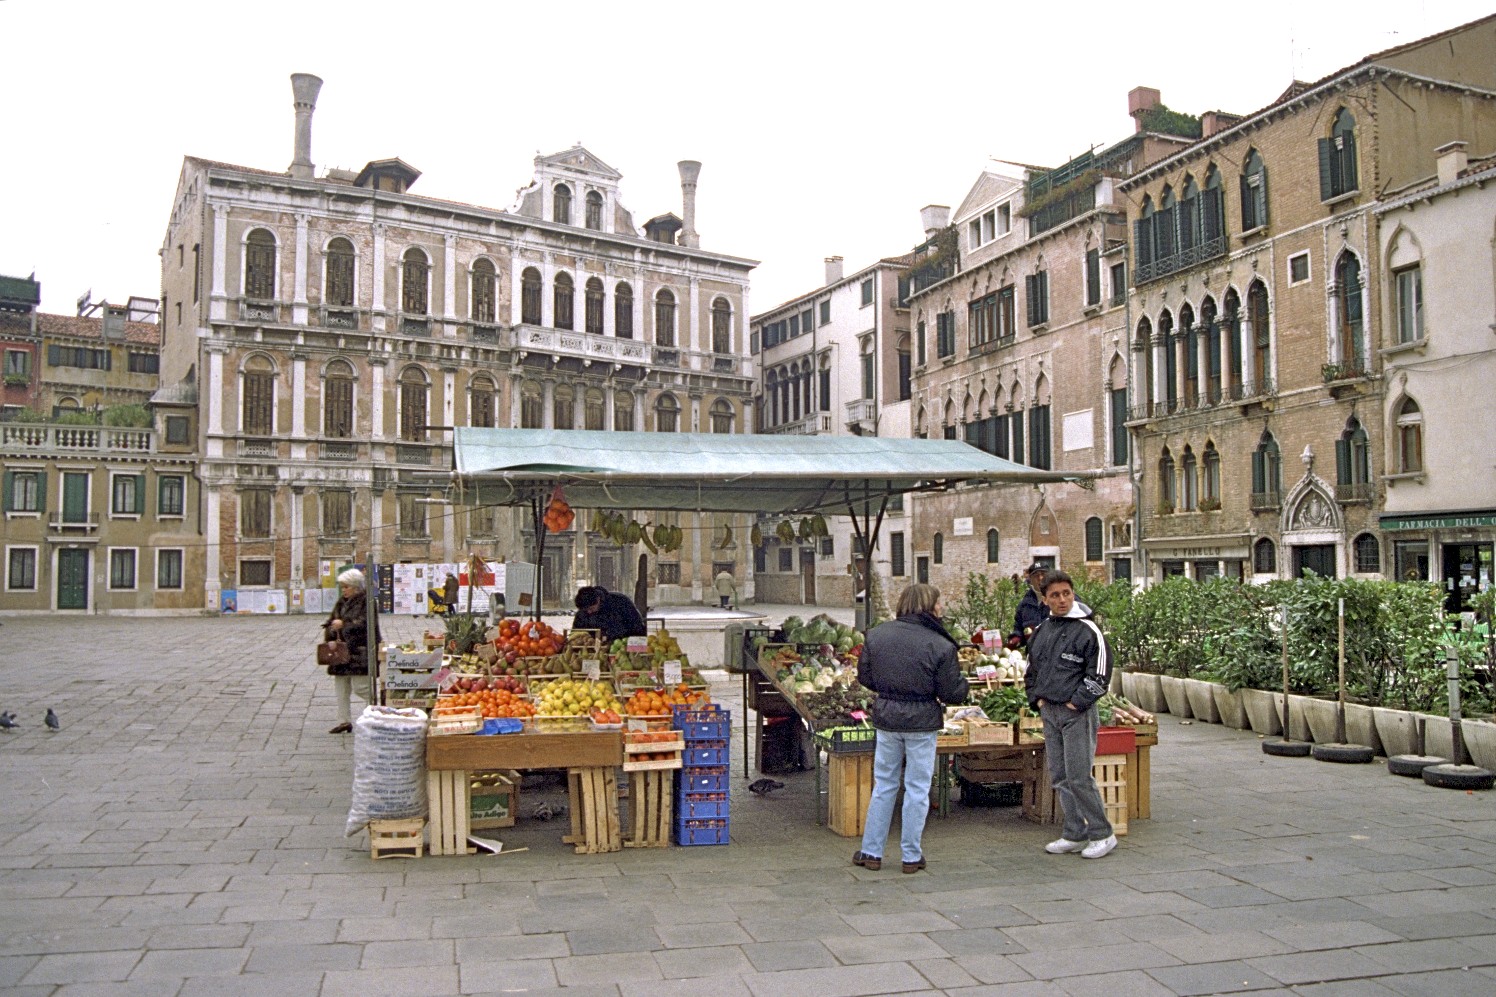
(672,671)
(593,669)
(638,645)
(637,723)
(986,671)
(858,715)
(991,640)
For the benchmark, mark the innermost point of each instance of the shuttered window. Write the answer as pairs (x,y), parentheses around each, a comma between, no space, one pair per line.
(259,403)
(1337,158)
(1093,539)
(339,290)
(259,265)
(1036,291)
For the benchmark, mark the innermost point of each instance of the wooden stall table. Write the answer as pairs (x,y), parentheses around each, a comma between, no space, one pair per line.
(590,758)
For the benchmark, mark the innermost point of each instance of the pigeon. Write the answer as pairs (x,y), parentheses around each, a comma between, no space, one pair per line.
(764,787)
(52,722)
(7,722)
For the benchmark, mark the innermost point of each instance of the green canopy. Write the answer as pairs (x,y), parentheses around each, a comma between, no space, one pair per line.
(712,472)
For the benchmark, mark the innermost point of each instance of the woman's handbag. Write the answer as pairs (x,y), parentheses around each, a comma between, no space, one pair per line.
(332,652)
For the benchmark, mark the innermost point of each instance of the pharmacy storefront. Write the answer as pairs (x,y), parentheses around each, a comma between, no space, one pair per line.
(1454,549)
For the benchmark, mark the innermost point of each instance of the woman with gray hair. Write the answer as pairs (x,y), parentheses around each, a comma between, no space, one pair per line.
(911,664)
(349,623)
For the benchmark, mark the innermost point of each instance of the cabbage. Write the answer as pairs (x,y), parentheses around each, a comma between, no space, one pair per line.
(801,688)
(825,680)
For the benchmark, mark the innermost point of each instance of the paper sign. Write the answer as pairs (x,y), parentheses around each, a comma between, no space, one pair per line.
(638,645)
(986,671)
(635,723)
(858,715)
(593,669)
(991,640)
(672,671)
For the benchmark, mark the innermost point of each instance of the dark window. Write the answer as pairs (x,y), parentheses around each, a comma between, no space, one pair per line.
(483,291)
(867,375)
(1368,555)
(78,356)
(25,491)
(414,270)
(1121,569)
(128,494)
(1352,329)
(594,210)
(1210,478)
(906,390)
(981,321)
(1119,283)
(176,430)
(259,265)
(1093,539)
(122,569)
(412,513)
(1093,276)
(867,291)
(564,295)
(337,513)
(786,559)
(945,334)
(413,393)
(170,495)
(825,389)
(1015,420)
(669,572)
(721,416)
(144,363)
(1408,285)
(259,403)
(563,408)
(1253,192)
(1188,480)
(667,414)
(937,549)
(529,296)
(1264,557)
(623,311)
(337,403)
(254,573)
(1352,456)
(254,513)
(1166,482)
(896,554)
(994,547)
(826,311)
(1266,471)
(1039,453)
(593,308)
(664,318)
(1036,294)
(1119,425)
(21,573)
(338,289)
(561,204)
(623,412)
(828,546)
(1337,158)
(722,326)
(197,271)
(168,569)
(1409,438)
(919,344)
(481,403)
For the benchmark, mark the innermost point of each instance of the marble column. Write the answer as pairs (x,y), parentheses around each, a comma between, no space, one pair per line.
(219,306)
(298,300)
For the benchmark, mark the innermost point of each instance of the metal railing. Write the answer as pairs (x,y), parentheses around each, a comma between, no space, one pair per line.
(338,450)
(1355,492)
(1264,501)
(1183,260)
(257,448)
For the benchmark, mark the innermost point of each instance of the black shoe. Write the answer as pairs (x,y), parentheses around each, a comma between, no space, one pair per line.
(871,863)
(910,867)
(341,729)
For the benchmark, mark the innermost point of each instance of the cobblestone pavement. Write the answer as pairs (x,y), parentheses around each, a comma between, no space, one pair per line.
(183,834)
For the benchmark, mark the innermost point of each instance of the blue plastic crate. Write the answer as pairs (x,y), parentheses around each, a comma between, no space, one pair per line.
(701,832)
(702,725)
(703,780)
(705,753)
(701,806)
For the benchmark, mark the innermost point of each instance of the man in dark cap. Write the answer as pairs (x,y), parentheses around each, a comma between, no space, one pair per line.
(1031,609)
(609,612)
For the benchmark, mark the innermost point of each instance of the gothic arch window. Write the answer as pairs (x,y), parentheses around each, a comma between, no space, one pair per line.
(415,270)
(258,380)
(1189,216)
(771,397)
(337,279)
(415,388)
(667,414)
(561,204)
(1212,210)
(664,318)
(337,400)
(1267,472)
(565,296)
(531,406)
(722,416)
(1210,477)
(1349,320)
(1264,557)
(993,545)
(623,311)
(1231,350)
(1166,234)
(721,326)
(593,310)
(1166,488)
(1261,343)
(594,211)
(1188,469)
(1143,342)
(1253,192)
(481,396)
(1353,462)
(529,296)
(1337,158)
(1191,336)
(1409,437)
(1093,539)
(1143,236)
(1368,555)
(623,411)
(259,265)
(937,549)
(1210,329)
(1171,360)
(483,283)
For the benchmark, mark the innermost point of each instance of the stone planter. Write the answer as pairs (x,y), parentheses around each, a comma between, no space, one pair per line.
(1264,711)
(1298,718)
(1202,700)
(1361,727)
(1320,715)
(1480,742)
(1143,690)
(1230,705)
(1438,740)
(1176,698)
(1396,730)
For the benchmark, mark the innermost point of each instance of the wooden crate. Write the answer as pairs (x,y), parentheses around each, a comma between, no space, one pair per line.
(990,767)
(397,839)
(1041,803)
(849,787)
(632,763)
(1030,730)
(595,826)
(651,809)
(945,740)
(450,804)
(988,732)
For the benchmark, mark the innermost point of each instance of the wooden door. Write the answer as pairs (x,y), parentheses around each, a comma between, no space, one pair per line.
(72,577)
(808,575)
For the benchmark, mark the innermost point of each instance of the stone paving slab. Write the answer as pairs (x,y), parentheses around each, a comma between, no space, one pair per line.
(174,839)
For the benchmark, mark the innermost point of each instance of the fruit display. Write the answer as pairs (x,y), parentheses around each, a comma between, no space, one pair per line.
(657,702)
(837,704)
(558,514)
(463,633)
(526,639)
(605,718)
(493,702)
(486,683)
(574,698)
(661,646)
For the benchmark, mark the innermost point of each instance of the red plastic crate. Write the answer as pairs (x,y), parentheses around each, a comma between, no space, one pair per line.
(1116,741)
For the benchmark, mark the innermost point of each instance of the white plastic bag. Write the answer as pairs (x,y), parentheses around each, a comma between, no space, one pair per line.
(389,766)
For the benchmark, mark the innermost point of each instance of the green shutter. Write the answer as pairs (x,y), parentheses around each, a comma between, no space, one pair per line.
(9,477)
(1142,251)
(1326,170)
(41,491)
(140,494)
(1343,470)
(1248,207)
(1259,471)
(54,355)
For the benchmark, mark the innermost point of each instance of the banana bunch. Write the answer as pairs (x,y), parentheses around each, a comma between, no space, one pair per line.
(756,537)
(808,528)
(726,540)
(625,532)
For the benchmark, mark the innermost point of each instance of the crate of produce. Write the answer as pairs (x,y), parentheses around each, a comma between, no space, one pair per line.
(454,720)
(840,740)
(701,806)
(988,732)
(703,724)
(1029,730)
(952,737)
(705,753)
(701,832)
(704,780)
(493,799)
(645,751)
(406,660)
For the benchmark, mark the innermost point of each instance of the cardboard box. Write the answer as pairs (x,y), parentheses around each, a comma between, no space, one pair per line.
(493,799)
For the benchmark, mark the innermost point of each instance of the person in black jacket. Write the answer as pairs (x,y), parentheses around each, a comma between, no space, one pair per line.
(1069,668)
(349,623)
(911,664)
(1031,609)
(609,612)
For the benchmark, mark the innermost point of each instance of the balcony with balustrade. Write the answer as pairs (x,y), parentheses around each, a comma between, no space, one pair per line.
(39,439)
(568,344)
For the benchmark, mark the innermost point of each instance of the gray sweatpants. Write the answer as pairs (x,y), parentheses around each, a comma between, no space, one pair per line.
(1070,750)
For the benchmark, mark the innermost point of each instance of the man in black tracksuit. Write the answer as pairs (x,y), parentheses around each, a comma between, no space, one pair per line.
(1069,668)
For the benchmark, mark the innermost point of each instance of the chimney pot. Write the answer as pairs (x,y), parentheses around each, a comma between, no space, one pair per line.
(1452,159)
(690,169)
(833,270)
(304,90)
(1140,100)
(933,218)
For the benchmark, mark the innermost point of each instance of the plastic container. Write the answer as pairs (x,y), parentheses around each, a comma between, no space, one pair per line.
(701,806)
(701,832)
(703,780)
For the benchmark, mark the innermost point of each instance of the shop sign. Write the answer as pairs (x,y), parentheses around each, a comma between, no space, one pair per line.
(1198,553)
(1457,521)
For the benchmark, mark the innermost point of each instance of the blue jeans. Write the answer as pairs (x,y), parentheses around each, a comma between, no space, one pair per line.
(915,754)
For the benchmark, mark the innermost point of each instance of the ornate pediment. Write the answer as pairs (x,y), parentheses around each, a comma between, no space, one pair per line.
(577,160)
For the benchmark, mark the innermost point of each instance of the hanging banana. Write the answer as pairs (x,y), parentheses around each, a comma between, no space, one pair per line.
(756,537)
(785,532)
(661,534)
(633,533)
(818,526)
(597,521)
(806,531)
(726,538)
(645,539)
(677,538)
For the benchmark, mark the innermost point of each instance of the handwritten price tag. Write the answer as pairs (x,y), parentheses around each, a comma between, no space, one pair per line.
(858,715)
(593,669)
(986,671)
(638,645)
(672,671)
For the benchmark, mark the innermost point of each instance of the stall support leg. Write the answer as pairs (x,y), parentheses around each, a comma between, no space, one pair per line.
(747,771)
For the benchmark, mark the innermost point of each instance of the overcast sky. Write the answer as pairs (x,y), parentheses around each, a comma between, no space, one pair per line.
(823,128)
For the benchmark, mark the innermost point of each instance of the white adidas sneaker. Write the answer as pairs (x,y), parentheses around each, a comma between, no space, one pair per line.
(1098,849)
(1062,845)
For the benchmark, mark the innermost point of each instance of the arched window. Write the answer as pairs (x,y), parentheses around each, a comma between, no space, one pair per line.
(1409,438)
(1210,478)
(1349,324)
(1189,217)
(993,545)
(623,311)
(722,416)
(592,409)
(1142,237)
(1337,158)
(414,391)
(664,318)
(481,395)
(623,411)
(414,269)
(259,397)
(565,298)
(1368,555)
(937,549)
(1353,462)
(259,265)
(484,282)
(1267,473)
(1188,469)
(1166,493)
(1253,192)
(797,410)
(1143,343)
(531,406)
(561,204)
(337,281)
(771,398)
(1212,210)
(1257,318)
(1264,557)
(1191,337)
(721,326)
(1166,236)
(1093,539)
(1171,361)
(594,307)
(1231,340)
(563,405)
(594,211)
(529,296)
(1211,330)
(337,400)
(667,414)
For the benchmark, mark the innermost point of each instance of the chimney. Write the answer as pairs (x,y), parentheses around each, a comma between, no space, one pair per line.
(1140,100)
(833,270)
(933,218)
(304,89)
(1452,160)
(1212,122)
(690,169)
